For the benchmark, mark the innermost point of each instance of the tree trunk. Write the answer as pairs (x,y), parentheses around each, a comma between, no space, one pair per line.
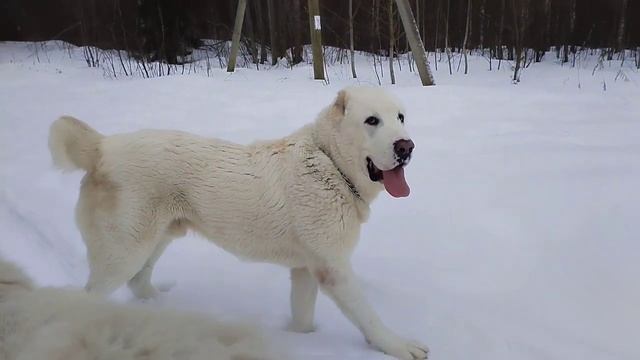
(315,28)
(435,42)
(516,38)
(275,52)
(391,41)
(261,29)
(519,24)
(446,37)
(351,45)
(283,30)
(417,47)
(251,35)
(482,18)
(235,39)
(569,36)
(466,37)
(373,28)
(621,26)
(297,30)
(377,22)
(547,31)
(499,43)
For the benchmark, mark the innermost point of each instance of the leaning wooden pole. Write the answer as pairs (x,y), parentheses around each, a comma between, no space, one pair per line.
(316,39)
(417,47)
(351,47)
(235,39)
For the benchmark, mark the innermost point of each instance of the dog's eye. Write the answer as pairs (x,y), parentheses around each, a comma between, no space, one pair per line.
(401,118)
(372,120)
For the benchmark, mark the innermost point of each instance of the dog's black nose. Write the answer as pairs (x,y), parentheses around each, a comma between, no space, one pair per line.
(403,148)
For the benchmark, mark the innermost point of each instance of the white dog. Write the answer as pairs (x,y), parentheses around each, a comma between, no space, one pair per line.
(298,201)
(63,324)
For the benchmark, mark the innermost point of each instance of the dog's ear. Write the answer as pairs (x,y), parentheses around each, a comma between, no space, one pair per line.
(341,102)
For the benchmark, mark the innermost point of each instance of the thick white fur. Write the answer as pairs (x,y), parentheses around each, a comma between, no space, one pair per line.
(64,324)
(284,201)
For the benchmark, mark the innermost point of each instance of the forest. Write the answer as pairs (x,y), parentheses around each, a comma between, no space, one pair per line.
(168,30)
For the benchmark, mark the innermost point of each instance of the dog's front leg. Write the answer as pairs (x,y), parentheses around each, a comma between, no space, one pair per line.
(304,291)
(337,280)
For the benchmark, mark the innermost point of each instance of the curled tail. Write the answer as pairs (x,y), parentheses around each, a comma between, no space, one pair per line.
(74,144)
(12,279)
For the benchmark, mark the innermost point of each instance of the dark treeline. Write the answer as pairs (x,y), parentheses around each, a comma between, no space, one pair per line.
(168,29)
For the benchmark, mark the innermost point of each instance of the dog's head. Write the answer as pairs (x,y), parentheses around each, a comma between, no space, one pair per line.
(371,132)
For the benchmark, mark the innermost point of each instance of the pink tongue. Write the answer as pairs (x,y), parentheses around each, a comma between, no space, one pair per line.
(394,182)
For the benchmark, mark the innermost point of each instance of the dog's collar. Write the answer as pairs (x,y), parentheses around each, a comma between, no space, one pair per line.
(352,187)
(346,179)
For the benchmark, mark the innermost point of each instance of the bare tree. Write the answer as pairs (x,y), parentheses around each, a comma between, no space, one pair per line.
(296,30)
(621,25)
(520,18)
(466,37)
(372,29)
(275,51)
(516,40)
(546,13)
(391,41)
(569,35)
(482,22)
(435,39)
(261,29)
(446,37)
(251,36)
(235,40)
(499,48)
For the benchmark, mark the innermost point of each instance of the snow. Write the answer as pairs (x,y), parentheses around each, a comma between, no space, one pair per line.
(519,239)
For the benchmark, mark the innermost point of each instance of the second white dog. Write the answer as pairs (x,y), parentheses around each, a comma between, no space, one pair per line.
(66,324)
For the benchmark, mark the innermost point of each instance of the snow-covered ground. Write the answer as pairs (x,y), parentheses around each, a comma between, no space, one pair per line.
(520,240)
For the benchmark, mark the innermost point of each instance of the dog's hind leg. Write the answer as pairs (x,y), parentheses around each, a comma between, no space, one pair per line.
(140,284)
(115,259)
(120,233)
(109,271)
(304,291)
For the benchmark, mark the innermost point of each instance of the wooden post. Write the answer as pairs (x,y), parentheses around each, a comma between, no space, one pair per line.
(417,47)
(235,39)
(316,39)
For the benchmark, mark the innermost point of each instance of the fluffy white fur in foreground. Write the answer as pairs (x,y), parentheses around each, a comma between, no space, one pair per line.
(64,324)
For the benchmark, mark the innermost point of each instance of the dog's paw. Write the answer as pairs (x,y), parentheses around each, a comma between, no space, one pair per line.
(301,328)
(402,349)
(166,286)
(146,293)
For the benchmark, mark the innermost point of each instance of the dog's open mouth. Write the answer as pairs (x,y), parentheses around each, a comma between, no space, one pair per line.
(393,180)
